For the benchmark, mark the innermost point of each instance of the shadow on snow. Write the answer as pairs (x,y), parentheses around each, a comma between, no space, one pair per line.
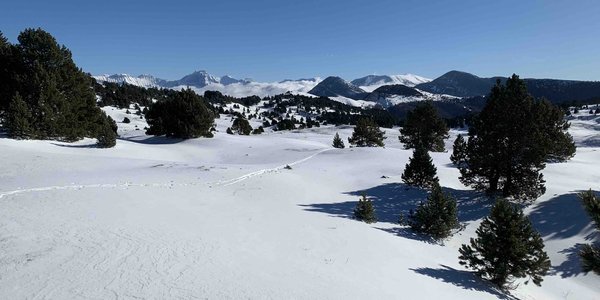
(464,279)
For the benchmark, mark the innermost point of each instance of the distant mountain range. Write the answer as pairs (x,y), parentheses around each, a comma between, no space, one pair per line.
(385,90)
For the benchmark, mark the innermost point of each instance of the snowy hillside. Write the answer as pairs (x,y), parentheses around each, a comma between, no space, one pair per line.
(146,81)
(370,83)
(221,218)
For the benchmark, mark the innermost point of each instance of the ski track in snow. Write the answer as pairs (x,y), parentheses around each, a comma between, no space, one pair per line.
(227,182)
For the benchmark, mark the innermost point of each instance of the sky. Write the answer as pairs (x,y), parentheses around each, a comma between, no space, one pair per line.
(272,40)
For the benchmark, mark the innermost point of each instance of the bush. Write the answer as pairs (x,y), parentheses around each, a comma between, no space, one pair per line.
(507,247)
(437,216)
(126,120)
(241,126)
(365,211)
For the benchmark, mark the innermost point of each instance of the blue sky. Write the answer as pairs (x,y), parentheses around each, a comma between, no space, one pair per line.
(273,40)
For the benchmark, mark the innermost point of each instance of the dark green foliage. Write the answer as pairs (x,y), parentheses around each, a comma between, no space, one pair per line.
(420,170)
(229,131)
(18,118)
(123,95)
(126,120)
(58,95)
(424,128)
(337,142)
(241,126)
(182,115)
(258,130)
(367,134)
(286,124)
(459,151)
(107,137)
(590,254)
(364,210)
(511,141)
(437,216)
(507,247)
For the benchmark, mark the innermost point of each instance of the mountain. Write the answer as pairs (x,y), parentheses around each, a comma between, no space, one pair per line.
(389,95)
(372,82)
(333,86)
(462,84)
(146,81)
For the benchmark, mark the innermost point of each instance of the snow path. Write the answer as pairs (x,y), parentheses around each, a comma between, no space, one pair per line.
(170,184)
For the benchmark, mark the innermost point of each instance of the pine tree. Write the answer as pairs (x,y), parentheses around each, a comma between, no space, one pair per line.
(337,142)
(241,126)
(511,141)
(420,170)
(459,151)
(106,136)
(367,134)
(437,216)
(182,115)
(590,254)
(424,127)
(507,247)
(365,211)
(19,118)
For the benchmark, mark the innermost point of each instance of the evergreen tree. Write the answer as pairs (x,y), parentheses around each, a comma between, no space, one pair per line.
(367,134)
(337,142)
(511,141)
(507,247)
(107,137)
(420,170)
(424,127)
(459,151)
(590,254)
(365,211)
(19,118)
(241,126)
(182,115)
(437,216)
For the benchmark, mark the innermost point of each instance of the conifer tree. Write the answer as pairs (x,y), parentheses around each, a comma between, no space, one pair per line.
(338,142)
(420,170)
(424,127)
(459,151)
(19,118)
(507,247)
(365,211)
(511,141)
(590,254)
(107,137)
(437,216)
(367,134)
(241,126)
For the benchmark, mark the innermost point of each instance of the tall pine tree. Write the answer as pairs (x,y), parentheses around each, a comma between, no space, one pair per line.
(507,247)
(337,142)
(420,170)
(424,128)
(19,118)
(367,134)
(511,141)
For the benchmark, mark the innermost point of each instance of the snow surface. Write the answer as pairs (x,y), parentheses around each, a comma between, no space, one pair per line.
(410,80)
(157,218)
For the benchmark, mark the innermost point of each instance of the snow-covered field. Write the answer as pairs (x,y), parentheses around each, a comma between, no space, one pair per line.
(221,218)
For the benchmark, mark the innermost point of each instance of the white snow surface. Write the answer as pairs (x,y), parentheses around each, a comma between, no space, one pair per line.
(222,218)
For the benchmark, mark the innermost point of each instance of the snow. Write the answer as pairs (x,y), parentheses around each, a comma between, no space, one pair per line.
(156,218)
(410,80)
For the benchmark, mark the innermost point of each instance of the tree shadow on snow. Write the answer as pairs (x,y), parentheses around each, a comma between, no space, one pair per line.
(153,140)
(391,200)
(75,145)
(563,217)
(464,279)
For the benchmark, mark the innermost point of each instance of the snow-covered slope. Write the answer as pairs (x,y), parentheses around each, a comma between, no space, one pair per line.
(370,83)
(201,81)
(222,218)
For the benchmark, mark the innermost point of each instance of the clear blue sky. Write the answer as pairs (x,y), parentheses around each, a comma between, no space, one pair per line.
(272,39)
